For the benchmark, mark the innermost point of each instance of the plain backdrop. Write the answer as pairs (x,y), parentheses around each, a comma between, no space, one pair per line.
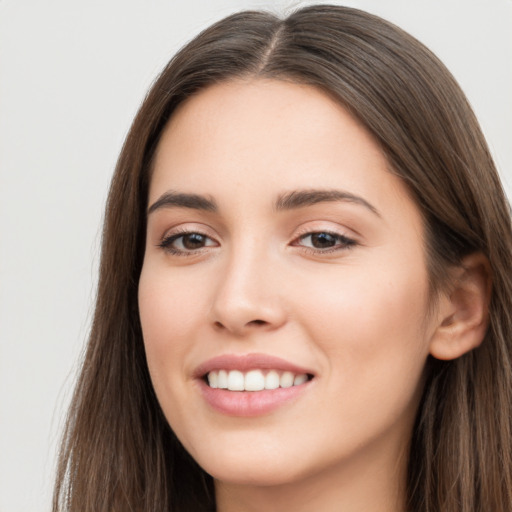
(72,75)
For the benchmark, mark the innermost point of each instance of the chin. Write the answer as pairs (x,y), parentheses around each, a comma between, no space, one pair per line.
(256,477)
(245,470)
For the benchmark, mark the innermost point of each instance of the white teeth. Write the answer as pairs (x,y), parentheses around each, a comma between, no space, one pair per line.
(236,381)
(213,379)
(222,380)
(286,380)
(300,379)
(254,380)
(272,380)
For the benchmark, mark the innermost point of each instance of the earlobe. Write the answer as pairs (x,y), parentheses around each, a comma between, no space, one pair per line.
(463,311)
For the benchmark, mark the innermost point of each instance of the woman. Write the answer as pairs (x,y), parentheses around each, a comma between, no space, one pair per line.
(305,285)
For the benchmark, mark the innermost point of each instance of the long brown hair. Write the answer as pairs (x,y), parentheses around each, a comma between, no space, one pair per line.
(118,451)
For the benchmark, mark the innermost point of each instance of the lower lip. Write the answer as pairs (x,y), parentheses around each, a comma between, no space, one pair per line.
(250,403)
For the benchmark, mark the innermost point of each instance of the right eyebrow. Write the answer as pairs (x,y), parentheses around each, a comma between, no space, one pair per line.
(303,198)
(172,199)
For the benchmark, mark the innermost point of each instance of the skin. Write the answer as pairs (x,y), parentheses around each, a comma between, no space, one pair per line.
(356,315)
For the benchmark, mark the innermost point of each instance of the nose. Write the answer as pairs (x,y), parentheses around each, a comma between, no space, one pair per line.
(249,295)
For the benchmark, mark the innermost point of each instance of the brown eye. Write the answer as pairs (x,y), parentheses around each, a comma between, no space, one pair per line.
(193,241)
(323,241)
(186,243)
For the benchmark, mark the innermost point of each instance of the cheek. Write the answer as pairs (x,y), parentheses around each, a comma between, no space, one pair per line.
(370,325)
(168,310)
(357,300)
(375,352)
(169,306)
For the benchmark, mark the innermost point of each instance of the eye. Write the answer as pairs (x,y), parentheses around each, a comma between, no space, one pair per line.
(324,241)
(184,243)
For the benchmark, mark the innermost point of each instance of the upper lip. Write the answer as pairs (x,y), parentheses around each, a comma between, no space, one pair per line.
(248,362)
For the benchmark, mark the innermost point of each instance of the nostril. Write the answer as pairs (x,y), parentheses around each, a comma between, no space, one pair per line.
(239,328)
(257,322)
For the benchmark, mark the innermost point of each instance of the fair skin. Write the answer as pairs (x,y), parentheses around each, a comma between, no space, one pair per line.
(332,282)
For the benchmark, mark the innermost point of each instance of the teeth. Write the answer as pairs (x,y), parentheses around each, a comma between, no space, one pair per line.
(286,380)
(236,381)
(272,380)
(254,380)
(213,379)
(300,379)
(222,381)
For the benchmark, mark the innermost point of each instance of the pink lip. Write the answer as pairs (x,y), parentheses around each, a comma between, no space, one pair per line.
(247,362)
(248,403)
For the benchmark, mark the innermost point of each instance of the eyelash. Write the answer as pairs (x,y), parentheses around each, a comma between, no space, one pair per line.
(342,242)
(167,243)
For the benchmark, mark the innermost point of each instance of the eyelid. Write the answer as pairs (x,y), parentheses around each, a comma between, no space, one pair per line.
(177,232)
(345,239)
(325,227)
(184,228)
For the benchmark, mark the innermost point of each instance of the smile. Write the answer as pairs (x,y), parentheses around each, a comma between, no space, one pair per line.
(251,384)
(254,380)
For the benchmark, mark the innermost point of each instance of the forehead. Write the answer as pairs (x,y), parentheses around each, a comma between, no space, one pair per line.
(262,113)
(265,137)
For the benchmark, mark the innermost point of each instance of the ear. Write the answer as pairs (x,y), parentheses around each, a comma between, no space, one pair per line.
(463,311)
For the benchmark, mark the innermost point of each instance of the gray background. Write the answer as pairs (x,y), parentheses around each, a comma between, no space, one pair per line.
(72,75)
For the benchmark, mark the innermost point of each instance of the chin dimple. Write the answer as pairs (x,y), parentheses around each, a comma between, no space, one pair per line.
(254,380)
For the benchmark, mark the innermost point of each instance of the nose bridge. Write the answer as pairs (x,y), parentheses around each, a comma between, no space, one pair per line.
(247,295)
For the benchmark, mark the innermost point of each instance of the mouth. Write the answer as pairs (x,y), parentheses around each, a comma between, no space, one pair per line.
(252,384)
(254,380)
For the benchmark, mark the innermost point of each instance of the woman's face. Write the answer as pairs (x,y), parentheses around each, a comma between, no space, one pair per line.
(281,252)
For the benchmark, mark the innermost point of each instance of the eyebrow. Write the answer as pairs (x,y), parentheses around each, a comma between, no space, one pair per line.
(288,201)
(303,198)
(181,200)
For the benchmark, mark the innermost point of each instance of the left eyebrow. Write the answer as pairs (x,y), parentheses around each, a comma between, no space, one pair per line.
(303,198)
(172,199)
